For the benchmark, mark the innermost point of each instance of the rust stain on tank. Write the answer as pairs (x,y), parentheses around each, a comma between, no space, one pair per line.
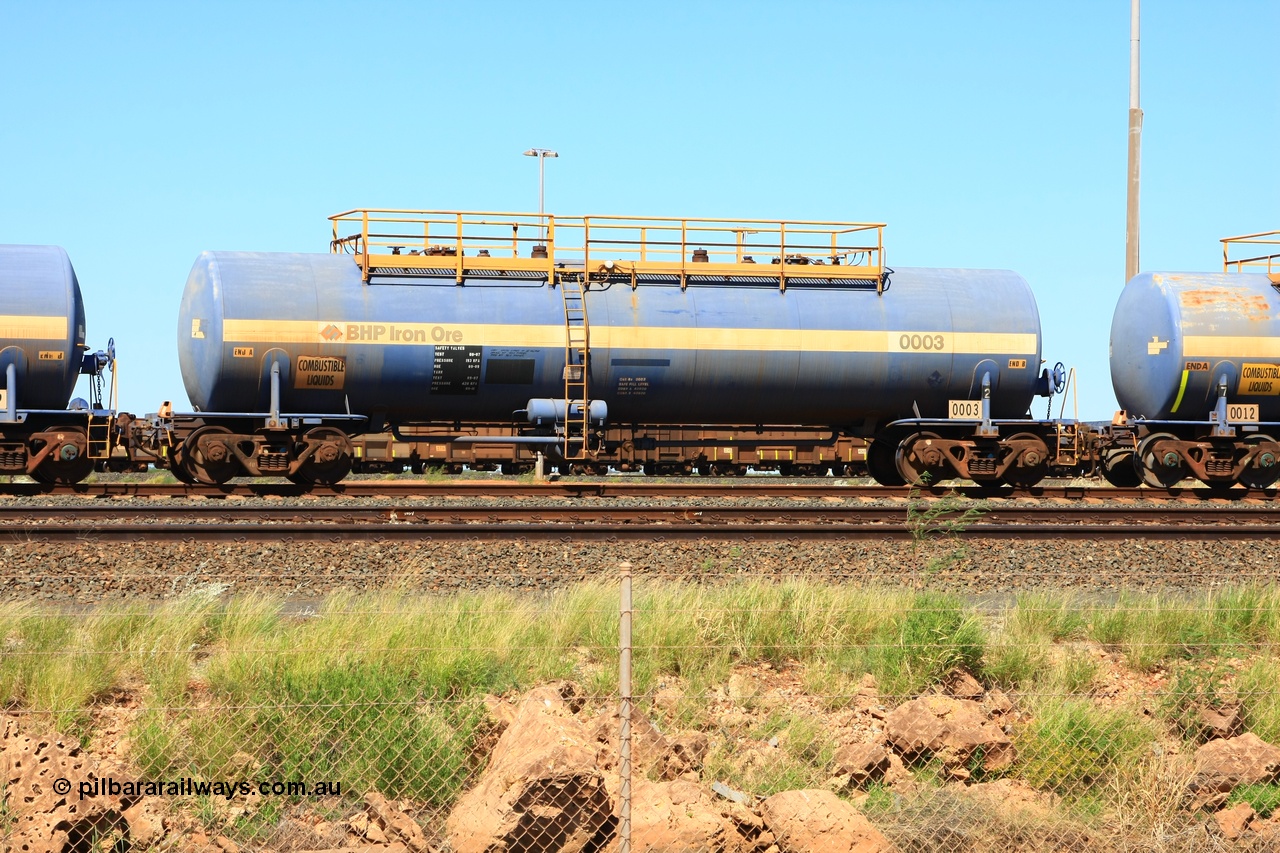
(1245,304)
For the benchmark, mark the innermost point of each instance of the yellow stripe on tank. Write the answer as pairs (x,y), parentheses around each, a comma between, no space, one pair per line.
(626,337)
(31,326)
(1227,346)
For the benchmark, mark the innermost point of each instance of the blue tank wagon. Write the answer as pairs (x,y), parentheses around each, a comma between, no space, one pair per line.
(42,354)
(1195,363)
(566,328)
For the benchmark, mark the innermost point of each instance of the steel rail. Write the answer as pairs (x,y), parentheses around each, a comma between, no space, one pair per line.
(612,525)
(853,514)
(615,487)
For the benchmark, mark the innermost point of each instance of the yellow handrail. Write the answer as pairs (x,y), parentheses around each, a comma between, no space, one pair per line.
(1269,263)
(684,247)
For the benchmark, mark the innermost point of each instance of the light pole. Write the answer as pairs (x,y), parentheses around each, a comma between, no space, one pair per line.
(542,154)
(1131,263)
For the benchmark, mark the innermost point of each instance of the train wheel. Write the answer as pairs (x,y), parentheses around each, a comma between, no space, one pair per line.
(68,462)
(880,462)
(205,459)
(919,461)
(329,462)
(1265,466)
(1120,469)
(1032,464)
(1159,464)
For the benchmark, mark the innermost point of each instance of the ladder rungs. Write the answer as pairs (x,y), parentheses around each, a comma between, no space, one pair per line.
(576,429)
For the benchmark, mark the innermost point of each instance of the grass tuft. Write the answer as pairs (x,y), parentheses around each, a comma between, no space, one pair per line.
(1071,746)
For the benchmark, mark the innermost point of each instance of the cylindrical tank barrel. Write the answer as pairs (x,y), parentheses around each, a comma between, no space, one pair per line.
(41,325)
(1176,337)
(733,352)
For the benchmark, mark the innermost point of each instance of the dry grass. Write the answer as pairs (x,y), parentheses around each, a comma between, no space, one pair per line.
(383,690)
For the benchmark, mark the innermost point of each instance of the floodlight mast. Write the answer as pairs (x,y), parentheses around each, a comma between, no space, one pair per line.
(1135,150)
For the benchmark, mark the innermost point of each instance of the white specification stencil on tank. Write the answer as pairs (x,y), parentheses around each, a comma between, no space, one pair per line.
(455,370)
(633,386)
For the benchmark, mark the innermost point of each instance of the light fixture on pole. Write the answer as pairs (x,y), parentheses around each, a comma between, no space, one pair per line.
(542,154)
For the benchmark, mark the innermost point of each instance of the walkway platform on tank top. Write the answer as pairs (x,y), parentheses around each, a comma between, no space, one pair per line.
(1268,262)
(635,250)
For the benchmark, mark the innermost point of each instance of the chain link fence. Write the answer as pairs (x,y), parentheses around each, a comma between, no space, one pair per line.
(731,715)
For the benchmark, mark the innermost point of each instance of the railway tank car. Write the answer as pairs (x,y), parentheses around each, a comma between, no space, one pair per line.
(42,354)
(1195,363)
(562,327)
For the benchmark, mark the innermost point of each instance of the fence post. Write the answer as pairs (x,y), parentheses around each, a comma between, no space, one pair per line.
(624,689)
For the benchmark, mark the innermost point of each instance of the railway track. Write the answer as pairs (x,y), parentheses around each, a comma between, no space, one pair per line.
(617,488)
(404,522)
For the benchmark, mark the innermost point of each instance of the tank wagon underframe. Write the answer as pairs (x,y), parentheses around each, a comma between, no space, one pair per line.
(654,449)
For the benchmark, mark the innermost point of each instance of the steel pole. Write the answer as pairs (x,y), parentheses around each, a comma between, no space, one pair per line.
(624,691)
(1131,264)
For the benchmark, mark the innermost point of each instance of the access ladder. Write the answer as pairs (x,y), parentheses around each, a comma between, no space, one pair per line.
(577,354)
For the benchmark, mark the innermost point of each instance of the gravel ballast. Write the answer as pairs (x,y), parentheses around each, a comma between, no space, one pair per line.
(87,572)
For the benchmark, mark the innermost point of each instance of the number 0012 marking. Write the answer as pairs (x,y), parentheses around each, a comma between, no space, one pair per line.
(964,410)
(1242,413)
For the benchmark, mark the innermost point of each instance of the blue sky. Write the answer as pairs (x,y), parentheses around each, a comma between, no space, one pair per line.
(986,134)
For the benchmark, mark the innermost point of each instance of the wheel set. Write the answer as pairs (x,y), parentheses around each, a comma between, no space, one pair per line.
(212,455)
(927,457)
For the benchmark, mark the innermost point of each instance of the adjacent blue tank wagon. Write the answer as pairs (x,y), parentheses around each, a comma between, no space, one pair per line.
(1178,338)
(1195,363)
(42,353)
(41,327)
(563,325)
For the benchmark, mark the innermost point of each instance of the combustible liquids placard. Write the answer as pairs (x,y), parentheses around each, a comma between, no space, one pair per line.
(320,372)
(1259,379)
